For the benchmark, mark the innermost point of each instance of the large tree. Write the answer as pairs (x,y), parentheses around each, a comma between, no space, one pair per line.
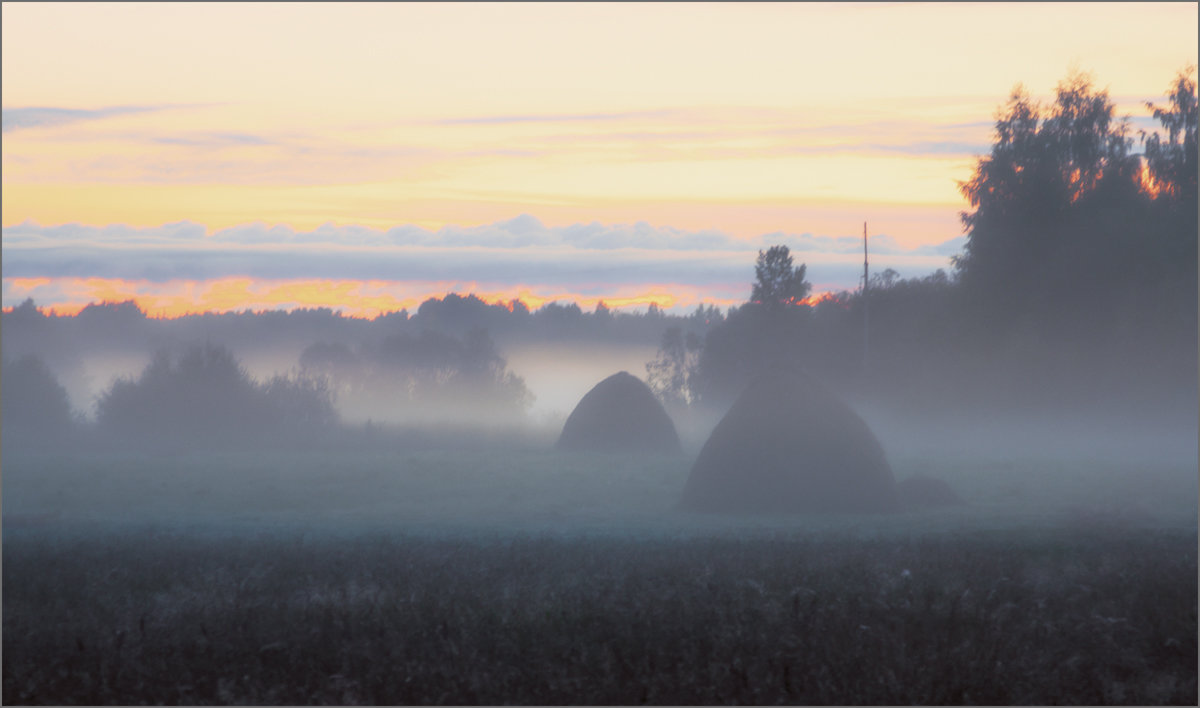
(1062,233)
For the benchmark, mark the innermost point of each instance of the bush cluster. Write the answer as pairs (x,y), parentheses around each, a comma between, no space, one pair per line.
(204,396)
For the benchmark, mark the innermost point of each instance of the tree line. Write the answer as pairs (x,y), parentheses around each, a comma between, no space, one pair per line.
(1076,286)
(442,362)
(120,325)
(201,395)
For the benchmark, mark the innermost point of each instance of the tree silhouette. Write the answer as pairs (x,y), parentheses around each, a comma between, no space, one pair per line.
(431,374)
(299,404)
(777,283)
(765,335)
(35,405)
(669,376)
(204,396)
(1171,160)
(1057,208)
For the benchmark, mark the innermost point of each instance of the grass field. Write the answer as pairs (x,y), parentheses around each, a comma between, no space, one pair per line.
(398,573)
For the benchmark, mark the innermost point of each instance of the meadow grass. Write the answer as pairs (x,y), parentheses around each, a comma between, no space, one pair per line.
(518,575)
(997,618)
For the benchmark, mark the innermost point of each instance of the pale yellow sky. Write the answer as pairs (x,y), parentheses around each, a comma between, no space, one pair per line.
(748,118)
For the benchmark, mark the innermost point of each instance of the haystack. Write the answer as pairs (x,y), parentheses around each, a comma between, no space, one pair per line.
(788,445)
(922,491)
(619,414)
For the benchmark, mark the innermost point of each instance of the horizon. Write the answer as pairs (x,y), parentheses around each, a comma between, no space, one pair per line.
(368,157)
(685,270)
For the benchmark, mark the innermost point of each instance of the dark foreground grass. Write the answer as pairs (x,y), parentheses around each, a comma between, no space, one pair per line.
(1020,617)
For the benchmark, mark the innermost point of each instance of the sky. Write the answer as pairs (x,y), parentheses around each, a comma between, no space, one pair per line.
(229,156)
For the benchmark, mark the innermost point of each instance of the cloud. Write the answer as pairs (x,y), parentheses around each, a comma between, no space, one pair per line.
(522,232)
(878,245)
(950,247)
(705,133)
(215,140)
(589,257)
(552,118)
(933,147)
(42,117)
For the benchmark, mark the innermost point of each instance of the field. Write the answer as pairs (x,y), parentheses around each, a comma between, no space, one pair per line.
(393,572)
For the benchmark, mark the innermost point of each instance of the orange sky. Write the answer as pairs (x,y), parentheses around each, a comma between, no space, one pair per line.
(742,118)
(353,298)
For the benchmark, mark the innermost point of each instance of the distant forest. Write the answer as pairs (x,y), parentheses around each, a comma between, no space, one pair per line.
(1076,288)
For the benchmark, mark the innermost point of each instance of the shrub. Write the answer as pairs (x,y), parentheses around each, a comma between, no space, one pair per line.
(204,395)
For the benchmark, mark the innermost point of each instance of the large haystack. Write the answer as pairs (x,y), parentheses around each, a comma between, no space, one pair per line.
(788,445)
(619,414)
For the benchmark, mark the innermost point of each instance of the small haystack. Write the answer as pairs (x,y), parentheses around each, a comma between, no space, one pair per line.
(921,491)
(619,414)
(788,445)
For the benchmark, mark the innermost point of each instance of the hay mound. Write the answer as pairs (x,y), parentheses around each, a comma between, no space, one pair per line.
(921,491)
(788,445)
(619,414)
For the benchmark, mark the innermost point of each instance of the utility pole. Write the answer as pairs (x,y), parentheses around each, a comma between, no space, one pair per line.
(866,282)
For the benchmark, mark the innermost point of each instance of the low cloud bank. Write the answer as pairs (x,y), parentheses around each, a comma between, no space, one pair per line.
(522,250)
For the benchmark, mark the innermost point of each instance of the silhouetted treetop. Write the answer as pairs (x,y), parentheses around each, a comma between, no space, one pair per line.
(1044,158)
(27,311)
(117,312)
(1171,160)
(777,283)
(1065,229)
(766,334)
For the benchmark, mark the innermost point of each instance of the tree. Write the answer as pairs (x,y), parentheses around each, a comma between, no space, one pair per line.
(425,376)
(204,396)
(484,379)
(27,311)
(777,283)
(1171,160)
(765,335)
(885,280)
(1055,200)
(300,403)
(35,405)
(204,393)
(1081,260)
(1083,136)
(459,313)
(704,316)
(1169,283)
(670,375)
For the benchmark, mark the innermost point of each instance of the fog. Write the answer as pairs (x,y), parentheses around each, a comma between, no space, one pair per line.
(981,484)
(559,374)
(397,498)
(471,444)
